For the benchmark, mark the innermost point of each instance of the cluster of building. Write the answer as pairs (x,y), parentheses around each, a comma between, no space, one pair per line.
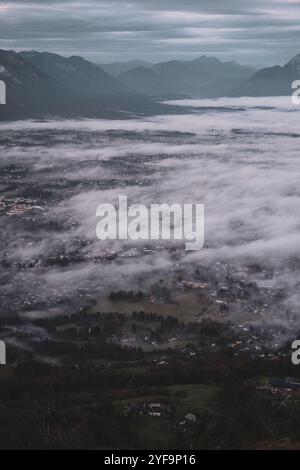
(155,410)
(17,206)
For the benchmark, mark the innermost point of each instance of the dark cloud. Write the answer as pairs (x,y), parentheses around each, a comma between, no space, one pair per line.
(262,31)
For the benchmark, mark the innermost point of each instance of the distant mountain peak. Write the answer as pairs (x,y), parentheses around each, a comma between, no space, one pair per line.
(26,84)
(294,64)
(271,81)
(205,76)
(204,59)
(295,59)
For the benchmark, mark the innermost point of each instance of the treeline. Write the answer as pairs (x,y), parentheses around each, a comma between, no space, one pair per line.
(129,296)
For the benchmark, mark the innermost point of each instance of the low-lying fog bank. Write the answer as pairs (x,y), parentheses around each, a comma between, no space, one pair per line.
(239,157)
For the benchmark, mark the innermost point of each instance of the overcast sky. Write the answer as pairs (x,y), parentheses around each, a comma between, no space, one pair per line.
(249,31)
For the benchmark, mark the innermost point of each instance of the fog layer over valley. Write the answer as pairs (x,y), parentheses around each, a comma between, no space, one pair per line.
(238,157)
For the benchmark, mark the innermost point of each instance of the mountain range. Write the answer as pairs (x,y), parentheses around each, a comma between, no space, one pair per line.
(46,84)
(76,73)
(43,83)
(203,77)
(117,68)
